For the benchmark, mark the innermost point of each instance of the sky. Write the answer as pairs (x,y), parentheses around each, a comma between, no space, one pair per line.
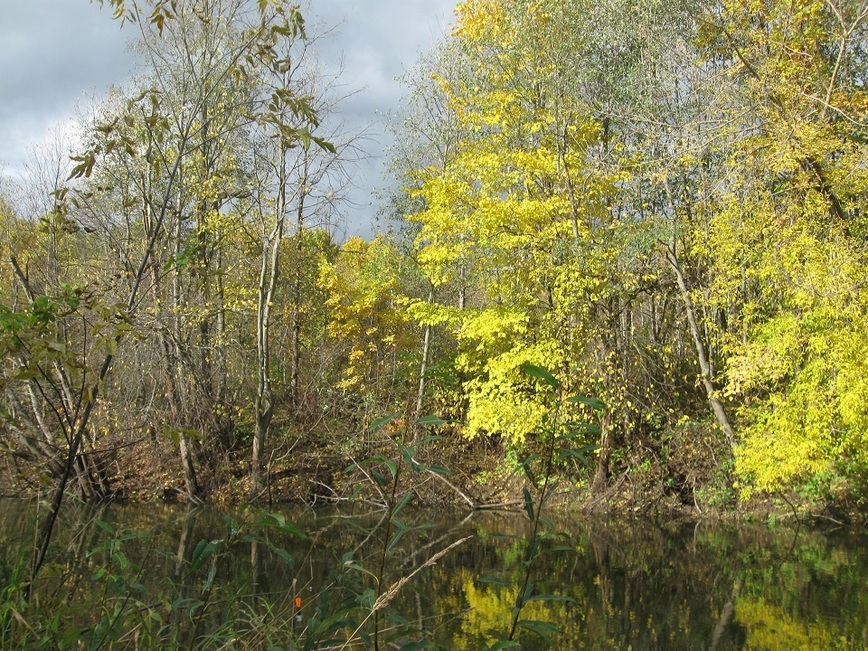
(56,55)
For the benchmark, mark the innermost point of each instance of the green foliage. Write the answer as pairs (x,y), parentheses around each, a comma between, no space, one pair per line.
(376,589)
(116,610)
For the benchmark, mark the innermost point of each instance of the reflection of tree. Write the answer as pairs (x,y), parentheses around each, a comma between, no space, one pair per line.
(184,539)
(634,585)
(725,617)
(603,578)
(771,628)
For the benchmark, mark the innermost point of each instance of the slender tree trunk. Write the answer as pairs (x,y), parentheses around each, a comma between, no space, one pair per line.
(220,348)
(295,343)
(268,273)
(423,371)
(608,323)
(701,354)
(190,481)
(178,387)
(264,405)
(604,455)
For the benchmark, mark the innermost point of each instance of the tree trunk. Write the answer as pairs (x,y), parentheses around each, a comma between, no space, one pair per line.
(264,405)
(601,475)
(423,370)
(177,384)
(295,344)
(268,273)
(701,354)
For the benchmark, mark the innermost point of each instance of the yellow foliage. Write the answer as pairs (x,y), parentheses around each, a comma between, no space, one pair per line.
(514,212)
(770,628)
(785,247)
(366,312)
(489,617)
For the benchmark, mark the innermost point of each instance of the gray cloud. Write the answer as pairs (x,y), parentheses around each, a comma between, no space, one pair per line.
(379,41)
(55,53)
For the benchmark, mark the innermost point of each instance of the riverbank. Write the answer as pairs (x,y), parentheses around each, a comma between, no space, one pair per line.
(446,472)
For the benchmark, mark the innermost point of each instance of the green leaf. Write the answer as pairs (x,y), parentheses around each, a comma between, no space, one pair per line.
(203,551)
(377,424)
(367,598)
(552,597)
(551,490)
(405,499)
(401,531)
(528,502)
(392,466)
(544,629)
(431,420)
(494,580)
(271,520)
(408,453)
(526,595)
(232,526)
(593,403)
(325,145)
(505,644)
(352,565)
(283,554)
(541,374)
(105,526)
(415,645)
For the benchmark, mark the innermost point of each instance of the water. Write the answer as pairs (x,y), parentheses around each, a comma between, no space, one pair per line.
(615,584)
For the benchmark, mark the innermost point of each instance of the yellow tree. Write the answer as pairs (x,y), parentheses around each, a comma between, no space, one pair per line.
(788,243)
(521,215)
(364,286)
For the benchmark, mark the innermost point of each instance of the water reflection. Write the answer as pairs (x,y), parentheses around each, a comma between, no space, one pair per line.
(615,585)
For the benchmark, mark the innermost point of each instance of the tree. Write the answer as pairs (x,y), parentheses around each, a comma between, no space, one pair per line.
(523,211)
(789,239)
(285,173)
(367,317)
(158,187)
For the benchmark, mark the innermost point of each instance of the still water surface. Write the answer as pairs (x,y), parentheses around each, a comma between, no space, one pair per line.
(618,584)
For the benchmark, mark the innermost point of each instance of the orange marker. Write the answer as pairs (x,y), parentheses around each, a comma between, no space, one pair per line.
(298,603)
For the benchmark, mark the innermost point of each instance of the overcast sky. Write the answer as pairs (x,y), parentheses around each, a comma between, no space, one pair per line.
(56,54)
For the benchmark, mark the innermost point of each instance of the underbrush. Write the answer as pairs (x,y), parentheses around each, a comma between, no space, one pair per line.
(90,591)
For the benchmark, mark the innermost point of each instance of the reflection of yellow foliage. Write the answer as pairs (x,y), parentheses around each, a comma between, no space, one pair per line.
(490,616)
(769,628)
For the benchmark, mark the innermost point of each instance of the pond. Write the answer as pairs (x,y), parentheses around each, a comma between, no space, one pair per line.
(162,576)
